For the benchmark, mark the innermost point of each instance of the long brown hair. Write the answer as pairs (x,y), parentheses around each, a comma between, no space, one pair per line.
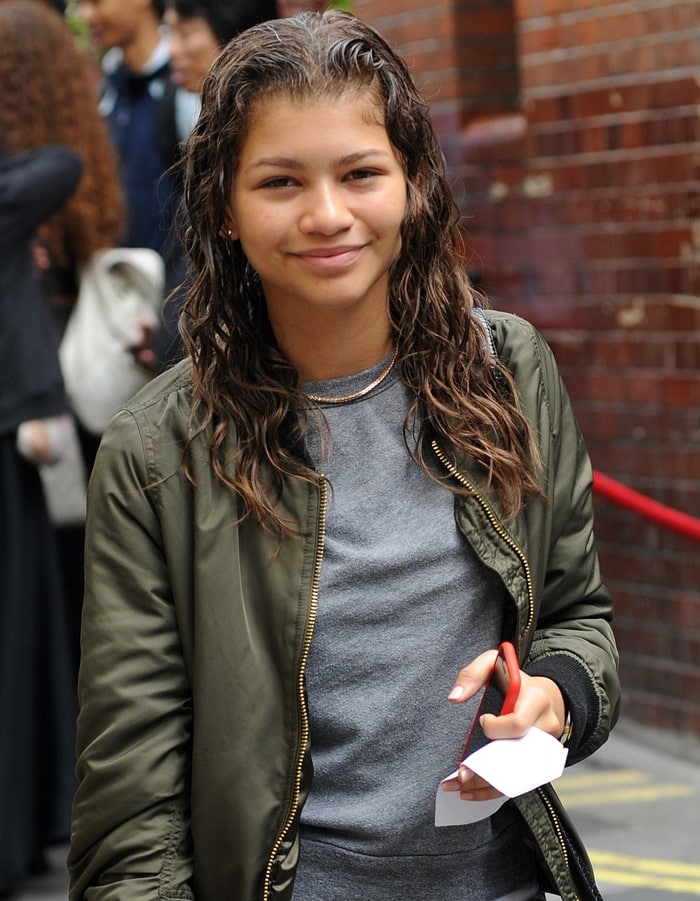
(48,95)
(241,380)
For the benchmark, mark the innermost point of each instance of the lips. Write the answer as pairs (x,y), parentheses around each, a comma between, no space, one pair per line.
(331,257)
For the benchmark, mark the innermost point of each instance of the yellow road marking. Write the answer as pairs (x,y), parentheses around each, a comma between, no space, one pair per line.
(625,795)
(617,787)
(635,880)
(640,872)
(630,787)
(646,864)
(618,777)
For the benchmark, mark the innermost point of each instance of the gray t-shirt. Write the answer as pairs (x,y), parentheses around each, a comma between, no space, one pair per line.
(403,605)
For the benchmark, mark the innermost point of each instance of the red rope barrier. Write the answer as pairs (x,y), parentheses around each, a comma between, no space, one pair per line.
(659,513)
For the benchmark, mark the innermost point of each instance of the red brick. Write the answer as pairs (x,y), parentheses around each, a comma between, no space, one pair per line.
(605,260)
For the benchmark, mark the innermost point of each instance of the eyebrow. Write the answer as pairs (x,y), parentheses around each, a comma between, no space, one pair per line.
(284,162)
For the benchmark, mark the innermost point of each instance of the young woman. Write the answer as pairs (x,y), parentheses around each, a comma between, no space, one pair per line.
(310,537)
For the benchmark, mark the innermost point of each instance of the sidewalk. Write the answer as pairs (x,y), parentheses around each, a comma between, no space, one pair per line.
(636,803)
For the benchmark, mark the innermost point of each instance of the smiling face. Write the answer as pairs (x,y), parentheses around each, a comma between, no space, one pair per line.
(317,202)
(117,23)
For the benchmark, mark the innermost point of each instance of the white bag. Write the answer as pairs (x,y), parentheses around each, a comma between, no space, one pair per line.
(119,289)
(65,482)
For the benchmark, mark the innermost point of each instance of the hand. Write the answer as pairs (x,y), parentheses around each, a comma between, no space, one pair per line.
(540,703)
(40,258)
(142,348)
(43,441)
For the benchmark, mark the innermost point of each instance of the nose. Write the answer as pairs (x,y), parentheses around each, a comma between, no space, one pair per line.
(326,211)
(175,47)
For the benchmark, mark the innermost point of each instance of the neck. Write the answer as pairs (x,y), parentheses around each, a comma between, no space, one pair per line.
(137,52)
(329,353)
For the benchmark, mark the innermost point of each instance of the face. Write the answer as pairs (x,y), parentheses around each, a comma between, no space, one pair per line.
(193,48)
(317,203)
(114,23)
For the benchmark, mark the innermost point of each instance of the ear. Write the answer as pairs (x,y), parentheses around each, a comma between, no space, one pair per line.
(230,230)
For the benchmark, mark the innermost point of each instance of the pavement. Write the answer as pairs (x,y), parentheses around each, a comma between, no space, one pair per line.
(636,803)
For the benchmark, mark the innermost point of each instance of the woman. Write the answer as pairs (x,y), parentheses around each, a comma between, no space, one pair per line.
(36,685)
(300,536)
(48,96)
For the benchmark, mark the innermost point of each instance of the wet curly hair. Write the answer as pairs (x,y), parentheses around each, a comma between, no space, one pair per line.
(241,379)
(48,95)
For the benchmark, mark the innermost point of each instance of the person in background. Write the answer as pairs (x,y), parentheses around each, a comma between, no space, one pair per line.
(37,705)
(47,96)
(136,75)
(197,30)
(307,540)
(54,102)
(136,70)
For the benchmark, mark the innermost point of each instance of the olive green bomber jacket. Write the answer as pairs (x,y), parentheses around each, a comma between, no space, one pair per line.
(193,735)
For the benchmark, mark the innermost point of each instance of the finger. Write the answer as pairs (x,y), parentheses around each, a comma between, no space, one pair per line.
(472,677)
(473,788)
(511,725)
(536,706)
(465,780)
(484,794)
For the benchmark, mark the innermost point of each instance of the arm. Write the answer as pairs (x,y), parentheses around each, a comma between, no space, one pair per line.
(34,185)
(572,663)
(573,643)
(131,820)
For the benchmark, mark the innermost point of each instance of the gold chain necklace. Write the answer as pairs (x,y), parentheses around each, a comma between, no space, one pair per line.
(320,399)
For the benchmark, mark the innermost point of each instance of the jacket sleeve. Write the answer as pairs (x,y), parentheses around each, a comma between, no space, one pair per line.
(36,184)
(130,836)
(573,642)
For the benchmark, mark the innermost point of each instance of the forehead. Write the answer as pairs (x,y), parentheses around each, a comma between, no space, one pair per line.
(358,101)
(315,132)
(191,24)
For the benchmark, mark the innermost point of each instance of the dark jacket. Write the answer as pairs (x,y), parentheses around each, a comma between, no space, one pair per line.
(195,757)
(33,185)
(131,103)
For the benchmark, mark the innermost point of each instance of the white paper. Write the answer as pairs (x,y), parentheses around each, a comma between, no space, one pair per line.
(512,766)
(451,810)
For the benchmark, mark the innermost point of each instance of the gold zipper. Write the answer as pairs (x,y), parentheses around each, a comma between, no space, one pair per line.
(496,523)
(304,713)
(557,828)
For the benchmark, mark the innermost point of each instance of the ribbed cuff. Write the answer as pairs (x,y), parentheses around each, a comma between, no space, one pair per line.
(579,692)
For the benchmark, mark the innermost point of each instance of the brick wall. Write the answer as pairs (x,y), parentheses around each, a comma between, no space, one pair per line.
(572,132)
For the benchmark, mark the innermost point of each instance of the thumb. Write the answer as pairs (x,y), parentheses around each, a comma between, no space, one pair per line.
(473,677)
